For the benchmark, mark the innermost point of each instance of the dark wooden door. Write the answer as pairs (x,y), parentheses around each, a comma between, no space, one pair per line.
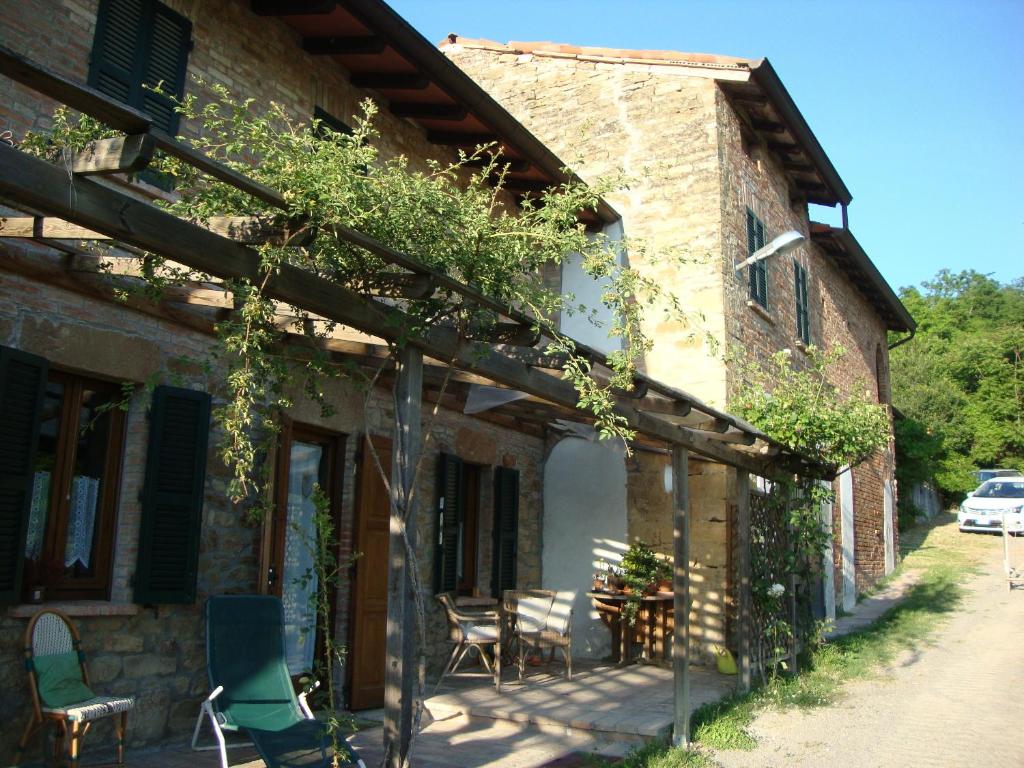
(370,588)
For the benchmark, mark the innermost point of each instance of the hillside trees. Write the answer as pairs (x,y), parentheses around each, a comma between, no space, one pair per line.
(960,382)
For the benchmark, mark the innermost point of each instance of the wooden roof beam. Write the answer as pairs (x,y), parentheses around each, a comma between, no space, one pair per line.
(344,45)
(429,111)
(120,154)
(292,7)
(390,81)
(513,165)
(457,139)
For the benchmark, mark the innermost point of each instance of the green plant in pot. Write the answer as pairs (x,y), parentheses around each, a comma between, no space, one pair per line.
(641,571)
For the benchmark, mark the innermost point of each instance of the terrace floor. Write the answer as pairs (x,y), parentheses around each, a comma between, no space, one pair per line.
(605,708)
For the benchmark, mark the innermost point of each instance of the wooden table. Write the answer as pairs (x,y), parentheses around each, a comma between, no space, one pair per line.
(653,624)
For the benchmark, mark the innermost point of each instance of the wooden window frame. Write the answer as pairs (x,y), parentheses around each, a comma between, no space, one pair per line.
(97,586)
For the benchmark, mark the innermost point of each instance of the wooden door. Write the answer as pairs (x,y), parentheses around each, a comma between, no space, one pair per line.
(368,633)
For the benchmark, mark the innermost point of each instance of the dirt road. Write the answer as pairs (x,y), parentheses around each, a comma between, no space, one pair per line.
(957,701)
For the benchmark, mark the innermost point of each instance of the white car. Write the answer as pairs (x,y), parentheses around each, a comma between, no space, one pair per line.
(984,508)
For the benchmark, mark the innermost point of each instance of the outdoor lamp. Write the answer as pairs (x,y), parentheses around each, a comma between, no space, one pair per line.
(784,243)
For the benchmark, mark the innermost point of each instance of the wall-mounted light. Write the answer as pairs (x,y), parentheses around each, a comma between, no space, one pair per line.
(784,243)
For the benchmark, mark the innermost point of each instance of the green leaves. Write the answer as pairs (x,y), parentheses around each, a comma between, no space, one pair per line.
(960,381)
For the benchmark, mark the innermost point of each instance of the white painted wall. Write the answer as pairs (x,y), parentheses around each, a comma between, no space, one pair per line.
(584,521)
(849,565)
(587,291)
(890,538)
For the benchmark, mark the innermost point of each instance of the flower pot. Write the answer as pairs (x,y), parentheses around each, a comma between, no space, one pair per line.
(665,585)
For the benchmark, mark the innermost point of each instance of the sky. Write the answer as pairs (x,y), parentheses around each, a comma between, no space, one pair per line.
(918,103)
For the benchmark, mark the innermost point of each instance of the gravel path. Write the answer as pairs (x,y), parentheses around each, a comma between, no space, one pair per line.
(958,701)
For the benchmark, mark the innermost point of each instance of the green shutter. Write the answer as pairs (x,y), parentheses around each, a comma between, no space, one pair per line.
(450,506)
(803,326)
(172,497)
(22,386)
(506,530)
(141,43)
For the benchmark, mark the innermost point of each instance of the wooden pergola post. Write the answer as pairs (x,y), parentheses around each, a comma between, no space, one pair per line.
(744,639)
(400,671)
(681,592)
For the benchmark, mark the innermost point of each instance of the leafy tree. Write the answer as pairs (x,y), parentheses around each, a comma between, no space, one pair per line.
(960,382)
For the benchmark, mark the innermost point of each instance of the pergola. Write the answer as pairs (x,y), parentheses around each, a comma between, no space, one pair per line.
(62,205)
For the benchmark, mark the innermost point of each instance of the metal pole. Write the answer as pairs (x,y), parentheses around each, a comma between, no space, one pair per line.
(400,672)
(681,592)
(743,581)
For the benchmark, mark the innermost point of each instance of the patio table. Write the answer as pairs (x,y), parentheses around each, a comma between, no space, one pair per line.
(652,624)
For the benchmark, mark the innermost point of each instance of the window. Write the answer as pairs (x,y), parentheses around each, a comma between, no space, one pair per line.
(328,122)
(75,469)
(803,325)
(140,44)
(758,270)
(457,556)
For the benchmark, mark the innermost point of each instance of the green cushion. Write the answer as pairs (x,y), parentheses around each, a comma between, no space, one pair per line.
(59,677)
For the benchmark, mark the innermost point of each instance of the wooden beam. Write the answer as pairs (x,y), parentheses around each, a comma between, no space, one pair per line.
(662,406)
(744,628)
(514,184)
(537,358)
(736,437)
(515,334)
(242,229)
(45,187)
(400,285)
(428,111)
(45,227)
(784,147)
(120,154)
(513,165)
(400,670)
(343,45)
(458,139)
(390,81)
(681,596)
(292,8)
(768,126)
(127,119)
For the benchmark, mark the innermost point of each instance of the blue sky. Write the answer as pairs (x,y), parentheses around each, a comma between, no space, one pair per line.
(919,103)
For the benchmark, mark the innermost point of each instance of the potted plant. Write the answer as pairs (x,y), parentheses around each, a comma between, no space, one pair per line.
(641,570)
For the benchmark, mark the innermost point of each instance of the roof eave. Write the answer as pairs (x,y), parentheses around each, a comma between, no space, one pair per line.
(764,74)
(862,262)
(464,89)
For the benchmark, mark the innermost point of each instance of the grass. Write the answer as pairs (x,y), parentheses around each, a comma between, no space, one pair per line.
(944,558)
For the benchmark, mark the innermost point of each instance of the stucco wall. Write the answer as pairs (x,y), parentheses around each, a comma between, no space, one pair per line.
(584,523)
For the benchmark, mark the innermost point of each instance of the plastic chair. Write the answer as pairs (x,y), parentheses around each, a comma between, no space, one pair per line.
(252,690)
(59,682)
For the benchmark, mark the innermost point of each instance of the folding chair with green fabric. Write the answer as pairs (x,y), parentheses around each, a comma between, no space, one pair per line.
(59,682)
(252,691)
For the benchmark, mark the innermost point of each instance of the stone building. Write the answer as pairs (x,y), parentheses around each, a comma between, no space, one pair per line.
(721,161)
(126,386)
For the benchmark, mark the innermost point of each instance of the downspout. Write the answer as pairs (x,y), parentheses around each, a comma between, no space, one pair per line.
(904,340)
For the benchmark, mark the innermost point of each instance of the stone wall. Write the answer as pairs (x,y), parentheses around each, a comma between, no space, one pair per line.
(675,129)
(158,654)
(625,118)
(650,513)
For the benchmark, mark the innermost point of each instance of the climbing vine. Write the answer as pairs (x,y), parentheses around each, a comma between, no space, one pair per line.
(801,408)
(454,217)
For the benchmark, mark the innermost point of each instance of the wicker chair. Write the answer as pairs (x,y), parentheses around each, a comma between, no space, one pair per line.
(538,620)
(59,683)
(472,630)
